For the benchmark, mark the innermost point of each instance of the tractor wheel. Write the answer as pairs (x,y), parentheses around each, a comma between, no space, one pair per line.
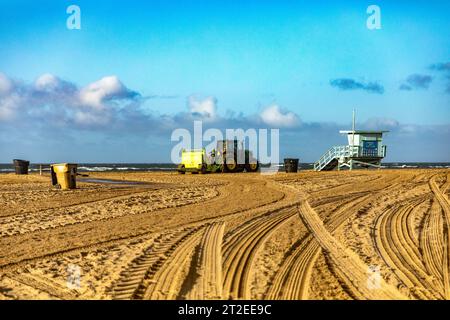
(252,167)
(231,166)
(181,170)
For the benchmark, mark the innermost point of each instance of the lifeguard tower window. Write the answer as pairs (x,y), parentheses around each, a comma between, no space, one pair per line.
(370,149)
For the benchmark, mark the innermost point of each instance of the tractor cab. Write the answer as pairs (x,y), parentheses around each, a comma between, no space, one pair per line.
(233,157)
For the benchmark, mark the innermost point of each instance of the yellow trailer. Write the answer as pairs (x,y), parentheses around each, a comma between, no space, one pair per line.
(193,161)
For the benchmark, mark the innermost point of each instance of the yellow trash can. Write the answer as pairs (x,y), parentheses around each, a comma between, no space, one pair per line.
(64,175)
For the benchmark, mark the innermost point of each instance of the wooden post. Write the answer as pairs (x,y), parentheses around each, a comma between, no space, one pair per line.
(40,169)
(353,128)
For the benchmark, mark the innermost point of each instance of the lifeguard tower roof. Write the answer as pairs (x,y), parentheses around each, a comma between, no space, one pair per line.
(357,137)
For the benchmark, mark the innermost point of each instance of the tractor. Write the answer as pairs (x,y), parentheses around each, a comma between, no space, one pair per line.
(229,156)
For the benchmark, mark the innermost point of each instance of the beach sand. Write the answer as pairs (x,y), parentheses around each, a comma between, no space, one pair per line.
(378,234)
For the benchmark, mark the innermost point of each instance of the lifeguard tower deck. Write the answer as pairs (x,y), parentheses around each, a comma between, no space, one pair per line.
(365,149)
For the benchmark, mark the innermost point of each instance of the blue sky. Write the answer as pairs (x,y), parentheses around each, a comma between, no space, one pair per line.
(166,57)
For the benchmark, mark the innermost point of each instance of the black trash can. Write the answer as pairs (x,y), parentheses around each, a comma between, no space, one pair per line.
(290,165)
(21,166)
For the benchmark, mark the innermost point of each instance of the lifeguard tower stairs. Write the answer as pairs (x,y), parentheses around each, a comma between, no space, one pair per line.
(364,149)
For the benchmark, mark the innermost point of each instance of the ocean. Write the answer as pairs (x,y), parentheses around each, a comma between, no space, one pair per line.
(88,167)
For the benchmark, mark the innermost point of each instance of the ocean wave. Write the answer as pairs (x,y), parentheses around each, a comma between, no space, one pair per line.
(403,166)
(96,168)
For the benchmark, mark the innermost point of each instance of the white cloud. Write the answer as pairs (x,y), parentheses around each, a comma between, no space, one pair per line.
(381,124)
(275,117)
(47,81)
(86,118)
(5,84)
(95,94)
(9,106)
(206,108)
(49,97)
(9,100)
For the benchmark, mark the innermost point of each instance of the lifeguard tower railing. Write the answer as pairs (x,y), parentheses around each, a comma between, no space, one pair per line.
(337,154)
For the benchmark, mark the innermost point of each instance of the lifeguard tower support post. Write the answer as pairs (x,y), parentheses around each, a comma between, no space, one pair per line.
(365,149)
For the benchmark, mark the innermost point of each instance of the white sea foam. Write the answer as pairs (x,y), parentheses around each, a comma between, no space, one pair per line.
(96,168)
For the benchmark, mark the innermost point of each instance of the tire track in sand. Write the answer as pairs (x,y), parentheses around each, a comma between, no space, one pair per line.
(101,196)
(444,203)
(208,284)
(44,284)
(240,249)
(348,265)
(291,282)
(399,252)
(431,243)
(134,281)
(166,282)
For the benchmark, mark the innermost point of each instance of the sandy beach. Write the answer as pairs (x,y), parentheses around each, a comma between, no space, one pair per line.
(378,234)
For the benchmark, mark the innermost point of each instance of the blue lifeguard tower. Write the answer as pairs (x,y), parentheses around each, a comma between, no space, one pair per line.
(365,149)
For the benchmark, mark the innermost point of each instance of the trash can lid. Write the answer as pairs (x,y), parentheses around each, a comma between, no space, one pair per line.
(64,164)
(63,167)
(19,160)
